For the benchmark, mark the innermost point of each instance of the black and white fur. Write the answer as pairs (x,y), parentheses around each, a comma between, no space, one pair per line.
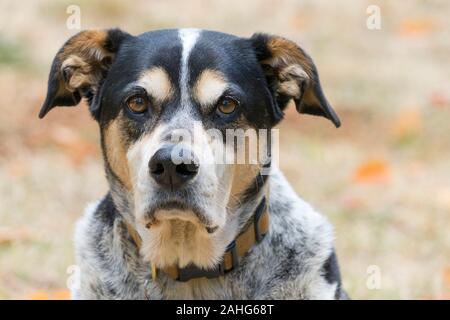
(185,72)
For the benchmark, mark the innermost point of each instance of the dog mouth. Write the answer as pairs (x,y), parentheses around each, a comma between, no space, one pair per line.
(182,210)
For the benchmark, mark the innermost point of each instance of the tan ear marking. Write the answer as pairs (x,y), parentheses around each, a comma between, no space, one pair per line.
(78,73)
(289,65)
(290,77)
(79,66)
(285,53)
(82,59)
(88,44)
(293,70)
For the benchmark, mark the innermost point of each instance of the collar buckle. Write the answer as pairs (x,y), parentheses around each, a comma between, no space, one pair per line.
(232,248)
(258,213)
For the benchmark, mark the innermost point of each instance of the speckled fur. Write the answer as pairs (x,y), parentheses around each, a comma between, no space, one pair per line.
(295,260)
(287,264)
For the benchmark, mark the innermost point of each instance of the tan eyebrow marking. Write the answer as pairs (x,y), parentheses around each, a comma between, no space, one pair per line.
(157,83)
(210,85)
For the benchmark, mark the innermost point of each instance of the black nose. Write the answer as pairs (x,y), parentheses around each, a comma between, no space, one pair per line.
(172,170)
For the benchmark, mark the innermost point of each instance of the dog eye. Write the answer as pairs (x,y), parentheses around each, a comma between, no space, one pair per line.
(138,103)
(227,105)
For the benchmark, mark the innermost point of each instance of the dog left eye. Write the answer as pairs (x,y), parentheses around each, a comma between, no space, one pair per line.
(138,103)
(226,106)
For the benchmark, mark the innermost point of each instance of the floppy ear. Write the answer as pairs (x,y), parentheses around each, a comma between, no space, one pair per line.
(291,74)
(80,66)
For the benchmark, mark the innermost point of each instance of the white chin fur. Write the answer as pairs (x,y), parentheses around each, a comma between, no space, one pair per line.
(181,241)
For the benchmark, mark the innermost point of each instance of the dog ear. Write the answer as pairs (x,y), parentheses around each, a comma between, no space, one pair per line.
(291,74)
(80,66)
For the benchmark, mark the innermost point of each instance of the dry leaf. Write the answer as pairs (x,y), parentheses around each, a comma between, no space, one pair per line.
(407,123)
(440,99)
(53,295)
(413,27)
(372,171)
(38,295)
(8,235)
(61,295)
(446,277)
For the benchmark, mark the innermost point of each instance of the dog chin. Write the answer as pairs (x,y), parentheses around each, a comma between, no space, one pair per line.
(178,238)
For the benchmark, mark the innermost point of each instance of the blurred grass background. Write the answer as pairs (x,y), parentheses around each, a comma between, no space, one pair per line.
(383,179)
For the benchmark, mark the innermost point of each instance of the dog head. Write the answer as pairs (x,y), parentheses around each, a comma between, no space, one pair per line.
(167,103)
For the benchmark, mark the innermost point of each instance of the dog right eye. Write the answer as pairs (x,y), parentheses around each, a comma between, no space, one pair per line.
(138,103)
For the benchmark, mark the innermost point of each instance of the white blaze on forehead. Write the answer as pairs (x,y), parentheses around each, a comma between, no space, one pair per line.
(188,39)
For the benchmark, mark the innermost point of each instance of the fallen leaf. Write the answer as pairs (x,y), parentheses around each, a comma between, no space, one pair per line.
(414,27)
(8,235)
(49,295)
(372,171)
(61,295)
(407,123)
(440,99)
(39,295)
(446,276)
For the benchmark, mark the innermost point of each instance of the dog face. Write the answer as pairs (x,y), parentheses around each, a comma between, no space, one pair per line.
(167,102)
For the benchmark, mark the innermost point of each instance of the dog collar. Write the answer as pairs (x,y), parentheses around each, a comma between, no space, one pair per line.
(252,234)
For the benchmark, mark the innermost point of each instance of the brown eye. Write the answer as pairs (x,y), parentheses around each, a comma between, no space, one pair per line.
(227,105)
(138,104)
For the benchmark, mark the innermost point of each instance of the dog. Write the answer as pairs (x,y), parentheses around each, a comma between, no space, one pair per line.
(187,227)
